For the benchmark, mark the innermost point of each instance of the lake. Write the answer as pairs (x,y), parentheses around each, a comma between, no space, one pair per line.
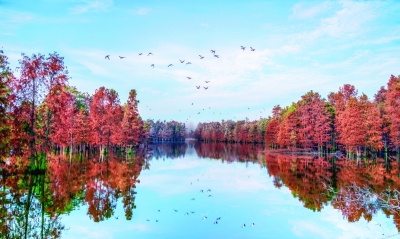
(204,190)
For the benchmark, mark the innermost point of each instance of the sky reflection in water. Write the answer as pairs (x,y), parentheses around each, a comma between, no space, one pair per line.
(242,192)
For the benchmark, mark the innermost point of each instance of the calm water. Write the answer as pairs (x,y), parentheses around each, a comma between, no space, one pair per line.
(285,196)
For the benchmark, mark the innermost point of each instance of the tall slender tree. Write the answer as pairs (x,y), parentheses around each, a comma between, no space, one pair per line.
(393,111)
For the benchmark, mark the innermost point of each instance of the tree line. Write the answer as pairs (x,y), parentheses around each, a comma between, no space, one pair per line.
(344,121)
(40,112)
(166,131)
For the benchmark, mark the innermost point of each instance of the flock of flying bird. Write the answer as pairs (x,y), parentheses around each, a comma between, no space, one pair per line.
(187,63)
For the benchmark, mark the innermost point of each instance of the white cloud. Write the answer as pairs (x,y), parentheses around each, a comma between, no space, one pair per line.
(92,6)
(332,224)
(11,16)
(140,11)
(350,20)
(300,11)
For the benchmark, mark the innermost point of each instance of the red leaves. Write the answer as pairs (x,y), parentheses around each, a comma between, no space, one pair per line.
(393,110)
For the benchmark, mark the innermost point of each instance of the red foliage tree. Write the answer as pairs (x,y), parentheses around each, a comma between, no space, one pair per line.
(352,128)
(314,121)
(131,123)
(393,111)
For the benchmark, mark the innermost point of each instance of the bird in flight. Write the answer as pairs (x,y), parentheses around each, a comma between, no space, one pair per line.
(149,54)
(205,87)
(201,57)
(198,113)
(216,56)
(188,63)
(107,57)
(140,54)
(198,87)
(252,49)
(152,65)
(121,57)
(213,51)
(242,47)
(206,81)
(189,78)
(181,61)
(170,65)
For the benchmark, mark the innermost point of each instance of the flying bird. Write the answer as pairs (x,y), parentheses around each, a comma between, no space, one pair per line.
(205,87)
(201,57)
(213,51)
(216,222)
(209,190)
(170,65)
(205,217)
(140,54)
(181,61)
(188,63)
(149,54)
(121,57)
(252,224)
(107,57)
(244,225)
(219,218)
(198,87)
(252,49)
(189,78)
(193,199)
(152,65)
(175,210)
(242,47)
(206,81)
(216,56)
(201,191)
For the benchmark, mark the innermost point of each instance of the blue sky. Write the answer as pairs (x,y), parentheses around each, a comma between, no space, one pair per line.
(300,46)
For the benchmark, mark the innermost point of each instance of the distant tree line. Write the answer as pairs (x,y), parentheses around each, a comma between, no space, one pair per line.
(243,131)
(344,121)
(166,131)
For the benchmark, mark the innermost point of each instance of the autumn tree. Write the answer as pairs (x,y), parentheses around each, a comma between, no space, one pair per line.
(131,123)
(31,88)
(339,101)
(5,94)
(393,111)
(314,121)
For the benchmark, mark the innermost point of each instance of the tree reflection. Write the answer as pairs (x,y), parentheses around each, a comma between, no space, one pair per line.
(31,205)
(359,189)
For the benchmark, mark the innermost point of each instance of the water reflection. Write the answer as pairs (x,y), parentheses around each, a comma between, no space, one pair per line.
(31,205)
